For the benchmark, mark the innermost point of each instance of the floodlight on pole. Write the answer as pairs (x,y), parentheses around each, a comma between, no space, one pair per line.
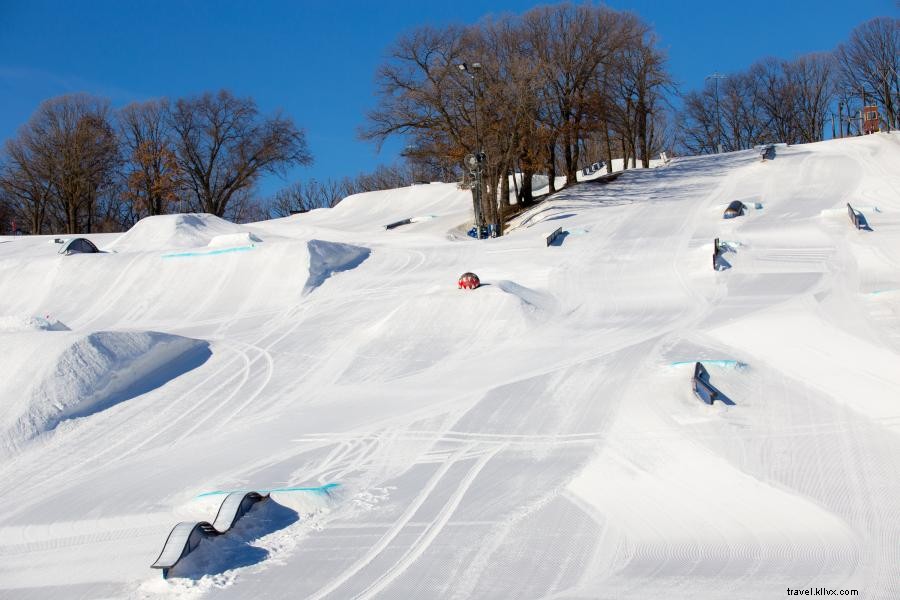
(716,77)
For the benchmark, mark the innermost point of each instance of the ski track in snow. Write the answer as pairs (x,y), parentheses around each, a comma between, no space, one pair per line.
(529,439)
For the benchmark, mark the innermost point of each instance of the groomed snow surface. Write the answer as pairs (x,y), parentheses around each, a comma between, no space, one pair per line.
(534,438)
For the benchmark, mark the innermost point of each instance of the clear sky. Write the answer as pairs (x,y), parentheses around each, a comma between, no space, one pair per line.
(316,60)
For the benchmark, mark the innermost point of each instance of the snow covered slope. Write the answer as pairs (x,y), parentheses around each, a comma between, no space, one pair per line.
(534,438)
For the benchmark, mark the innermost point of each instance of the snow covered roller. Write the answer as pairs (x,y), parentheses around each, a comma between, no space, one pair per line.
(735,209)
(187,535)
(77,246)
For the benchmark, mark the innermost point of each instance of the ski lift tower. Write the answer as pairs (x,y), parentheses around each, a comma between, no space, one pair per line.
(475,162)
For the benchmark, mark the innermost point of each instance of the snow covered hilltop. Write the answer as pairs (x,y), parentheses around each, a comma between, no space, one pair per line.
(537,437)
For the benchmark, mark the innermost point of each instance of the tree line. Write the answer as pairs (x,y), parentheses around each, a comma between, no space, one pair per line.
(553,88)
(544,92)
(79,166)
(799,100)
(303,196)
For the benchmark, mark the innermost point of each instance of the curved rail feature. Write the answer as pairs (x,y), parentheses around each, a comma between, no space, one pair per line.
(235,506)
(186,536)
(735,209)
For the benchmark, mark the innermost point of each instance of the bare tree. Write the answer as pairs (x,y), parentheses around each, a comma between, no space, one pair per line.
(641,79)
(775,100)
(382,178)
(301,197)
(223,146)
(570,43)
(775,94)
(25,188)
(61,166)
(810,80)
(697,125)
(869,64)
(743,119)
(544,87)
(152,176)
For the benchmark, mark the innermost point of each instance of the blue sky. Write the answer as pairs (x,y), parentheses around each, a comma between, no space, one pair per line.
(316,60)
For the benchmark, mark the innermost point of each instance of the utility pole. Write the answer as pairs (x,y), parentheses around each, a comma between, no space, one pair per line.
(841,118)
(716,77)
(475,162)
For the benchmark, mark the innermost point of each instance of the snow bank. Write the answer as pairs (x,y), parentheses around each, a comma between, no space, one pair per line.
(165,232)
(228,240)
(95,372)
(19,323)
(373,210)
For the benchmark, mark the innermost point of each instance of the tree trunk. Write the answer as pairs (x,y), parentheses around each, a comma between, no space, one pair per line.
(504,190)
(527,197)
(493,198)
(551,168)
(643,137)
(37,221)
(504,201)
(608,147)
(572,154)
(71,218)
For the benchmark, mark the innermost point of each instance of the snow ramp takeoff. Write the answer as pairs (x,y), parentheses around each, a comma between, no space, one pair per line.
(186,536)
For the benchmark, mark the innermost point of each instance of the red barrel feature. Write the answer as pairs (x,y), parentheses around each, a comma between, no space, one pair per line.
(469,281)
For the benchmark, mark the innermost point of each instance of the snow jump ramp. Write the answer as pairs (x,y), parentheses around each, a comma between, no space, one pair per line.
(187,535)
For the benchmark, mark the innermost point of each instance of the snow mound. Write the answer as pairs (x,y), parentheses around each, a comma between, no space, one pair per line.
(165,232)
(533,300)
(431,330)
(19,323)
(373,210)
(327,258)
(96,372)
(244,238)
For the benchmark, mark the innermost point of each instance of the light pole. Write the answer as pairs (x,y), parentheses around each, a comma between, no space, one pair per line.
(475,162)
(716,77)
